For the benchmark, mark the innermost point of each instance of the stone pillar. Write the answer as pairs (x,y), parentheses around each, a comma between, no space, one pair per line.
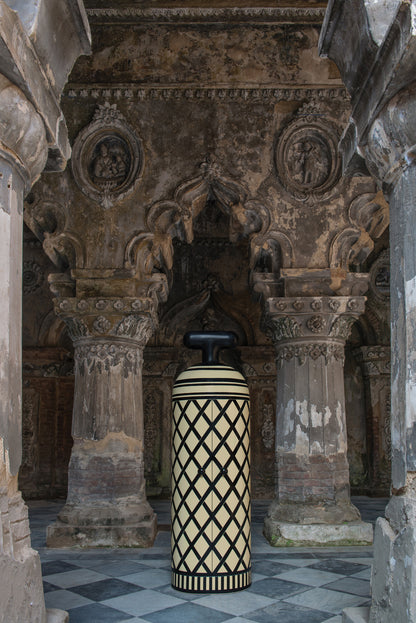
(106,504)
(32,135)
(21,592)
(377,66)
(391,148)
(312,504)
(375,366)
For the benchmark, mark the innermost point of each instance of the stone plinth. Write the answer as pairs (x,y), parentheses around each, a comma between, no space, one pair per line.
(312,503)
(356,615)
(285,534)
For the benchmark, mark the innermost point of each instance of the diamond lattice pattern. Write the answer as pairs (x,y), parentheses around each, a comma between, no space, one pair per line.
(211,486)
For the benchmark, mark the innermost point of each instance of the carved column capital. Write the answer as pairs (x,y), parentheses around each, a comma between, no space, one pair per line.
(305,327)
(110,320)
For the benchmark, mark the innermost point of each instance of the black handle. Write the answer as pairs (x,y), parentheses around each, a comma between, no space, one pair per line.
(210,342)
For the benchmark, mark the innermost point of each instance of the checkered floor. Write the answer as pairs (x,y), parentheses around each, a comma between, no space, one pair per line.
(289,585)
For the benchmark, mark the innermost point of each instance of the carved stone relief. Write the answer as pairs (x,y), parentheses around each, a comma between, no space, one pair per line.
(107,157)
(153,412)
(30,410)
(306,156)
(268,428)
(104,355)
(33,277)
(380,278)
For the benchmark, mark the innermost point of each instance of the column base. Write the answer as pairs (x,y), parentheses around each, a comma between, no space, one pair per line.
(21,590)
(103,526)
(356,615)
(393,580)
(285,534)
(53,615)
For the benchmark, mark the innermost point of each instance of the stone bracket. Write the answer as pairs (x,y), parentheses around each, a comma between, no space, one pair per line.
(20,63)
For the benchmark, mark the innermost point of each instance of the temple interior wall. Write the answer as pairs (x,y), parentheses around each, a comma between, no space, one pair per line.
(232,100)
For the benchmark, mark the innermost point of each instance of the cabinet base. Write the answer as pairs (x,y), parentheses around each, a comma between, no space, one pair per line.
(202,583)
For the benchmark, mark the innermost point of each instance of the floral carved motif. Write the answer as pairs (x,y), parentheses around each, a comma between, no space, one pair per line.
(316,324)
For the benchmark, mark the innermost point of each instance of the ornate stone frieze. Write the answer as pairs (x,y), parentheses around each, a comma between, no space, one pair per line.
(302,352)
(46,362)
(122,319)
(375,360)
(107,157)
(194,92)
(101,355)
(306,155)
(95,305)
(208,14)
(308,304)
(47,370)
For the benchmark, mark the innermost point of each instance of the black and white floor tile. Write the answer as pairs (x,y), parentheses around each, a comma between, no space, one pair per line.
(289,585)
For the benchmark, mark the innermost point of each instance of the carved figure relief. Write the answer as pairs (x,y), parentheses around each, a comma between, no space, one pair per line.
(308,161)
(110,163)
(107,157)
(306,156)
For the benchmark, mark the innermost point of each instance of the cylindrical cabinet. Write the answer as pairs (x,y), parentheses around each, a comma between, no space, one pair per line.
(211,506)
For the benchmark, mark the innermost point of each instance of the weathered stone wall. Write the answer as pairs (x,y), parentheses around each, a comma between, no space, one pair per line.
(204,152)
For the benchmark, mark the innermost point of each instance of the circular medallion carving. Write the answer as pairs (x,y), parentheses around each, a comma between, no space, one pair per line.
(307,158)
(107,157)
(32,277)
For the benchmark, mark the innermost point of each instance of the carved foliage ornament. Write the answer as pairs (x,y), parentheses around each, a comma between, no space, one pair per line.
(100,357)
(306,156)
(107,157)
